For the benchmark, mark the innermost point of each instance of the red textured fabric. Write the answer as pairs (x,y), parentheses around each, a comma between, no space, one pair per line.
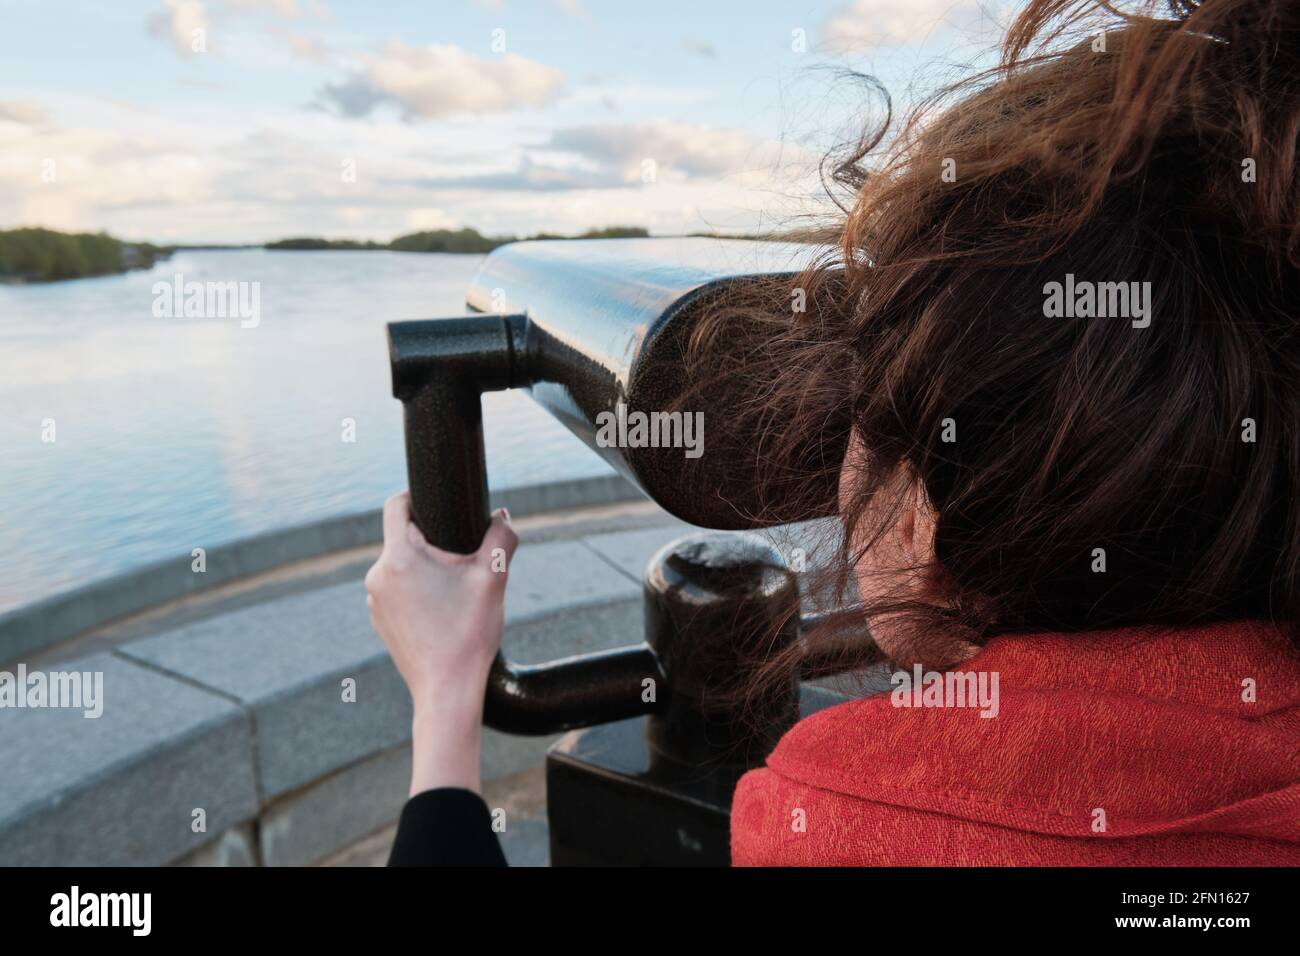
(1152,729)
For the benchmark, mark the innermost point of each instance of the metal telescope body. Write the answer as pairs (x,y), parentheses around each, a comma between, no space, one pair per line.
(592,329)
(605,324)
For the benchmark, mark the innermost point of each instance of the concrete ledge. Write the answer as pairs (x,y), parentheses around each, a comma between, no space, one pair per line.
(123,788)
(284,720)
(34,627)
(286,661)
(305,827)
(245,715)
(235,847)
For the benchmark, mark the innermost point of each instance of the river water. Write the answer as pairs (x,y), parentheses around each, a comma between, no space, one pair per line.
(176,433)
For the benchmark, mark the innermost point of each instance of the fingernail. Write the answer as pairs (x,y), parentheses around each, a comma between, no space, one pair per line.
(506,513)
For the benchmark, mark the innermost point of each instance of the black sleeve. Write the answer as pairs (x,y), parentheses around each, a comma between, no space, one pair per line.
(447,826)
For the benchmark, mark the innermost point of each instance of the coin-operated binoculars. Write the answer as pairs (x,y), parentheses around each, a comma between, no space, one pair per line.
(588,326)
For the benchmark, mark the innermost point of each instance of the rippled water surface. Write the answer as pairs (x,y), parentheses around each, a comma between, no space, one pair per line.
(176,433)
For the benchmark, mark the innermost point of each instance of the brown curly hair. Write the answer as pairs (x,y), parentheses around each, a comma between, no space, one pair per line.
(1155,143)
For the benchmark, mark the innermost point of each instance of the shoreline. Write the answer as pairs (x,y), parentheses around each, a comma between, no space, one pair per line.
(34,256)
(61,254)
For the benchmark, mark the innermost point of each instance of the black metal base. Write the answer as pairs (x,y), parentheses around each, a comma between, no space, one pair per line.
(612,801)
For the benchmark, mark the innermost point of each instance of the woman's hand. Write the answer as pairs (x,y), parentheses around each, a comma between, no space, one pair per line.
(440,616)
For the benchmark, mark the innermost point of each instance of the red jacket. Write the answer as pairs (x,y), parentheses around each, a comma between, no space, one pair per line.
(1116,748)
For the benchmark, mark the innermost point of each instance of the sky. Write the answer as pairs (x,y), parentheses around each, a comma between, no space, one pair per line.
(243,121)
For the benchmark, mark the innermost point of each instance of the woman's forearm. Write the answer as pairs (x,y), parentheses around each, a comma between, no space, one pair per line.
(445,737)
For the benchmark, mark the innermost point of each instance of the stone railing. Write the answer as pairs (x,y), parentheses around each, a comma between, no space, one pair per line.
(274,733)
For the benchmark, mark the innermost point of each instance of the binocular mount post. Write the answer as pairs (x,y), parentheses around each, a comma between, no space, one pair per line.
(657,791)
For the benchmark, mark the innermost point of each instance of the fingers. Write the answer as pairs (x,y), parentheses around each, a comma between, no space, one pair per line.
(495,551)
(401,536)
(397,518)
(500,542)
(417,543)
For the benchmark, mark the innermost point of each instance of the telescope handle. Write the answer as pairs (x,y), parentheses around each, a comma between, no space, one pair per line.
(440,369)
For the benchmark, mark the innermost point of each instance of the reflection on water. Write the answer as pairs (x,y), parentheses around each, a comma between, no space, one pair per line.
(173,434)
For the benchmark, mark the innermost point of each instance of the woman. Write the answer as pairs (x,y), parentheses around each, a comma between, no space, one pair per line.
(1063,334)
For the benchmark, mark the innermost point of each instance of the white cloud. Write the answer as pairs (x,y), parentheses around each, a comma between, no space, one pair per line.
(430,218)
(573,8)
(686,149)
(287,9)
(182,23)
(283,8)
(442,80)
(23,112)
(309,48)
(231,174)
(863,25)
(67,179)
(181,20)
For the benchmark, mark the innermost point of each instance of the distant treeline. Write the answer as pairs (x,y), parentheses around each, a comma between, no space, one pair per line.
(43,255)
(452,240)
